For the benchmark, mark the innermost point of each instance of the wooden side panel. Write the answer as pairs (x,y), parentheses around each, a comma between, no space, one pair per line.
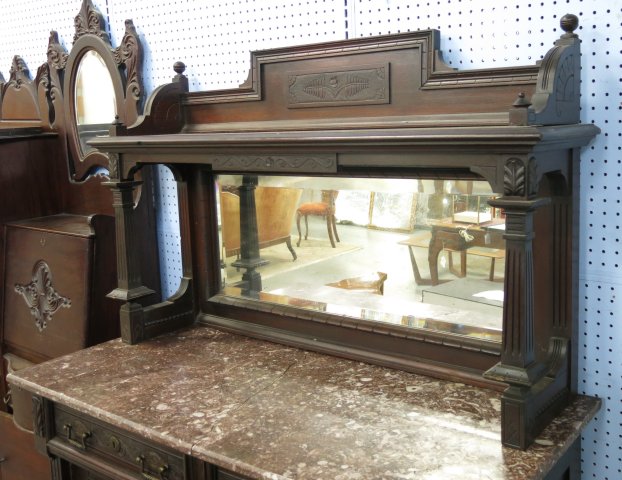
(20,459)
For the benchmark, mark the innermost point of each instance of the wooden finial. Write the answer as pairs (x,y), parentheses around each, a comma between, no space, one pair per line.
(180,78)
(569,24)
(521,101)
(179,67)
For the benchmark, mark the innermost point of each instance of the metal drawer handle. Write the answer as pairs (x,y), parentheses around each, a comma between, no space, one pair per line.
(81,443)
(162,470)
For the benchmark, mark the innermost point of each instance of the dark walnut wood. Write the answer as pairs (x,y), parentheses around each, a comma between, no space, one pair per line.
(56,215)
(517,128)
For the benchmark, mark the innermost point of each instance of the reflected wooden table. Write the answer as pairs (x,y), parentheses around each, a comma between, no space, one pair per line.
(457,237)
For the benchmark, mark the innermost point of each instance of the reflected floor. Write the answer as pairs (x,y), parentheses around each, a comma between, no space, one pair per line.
(363,251)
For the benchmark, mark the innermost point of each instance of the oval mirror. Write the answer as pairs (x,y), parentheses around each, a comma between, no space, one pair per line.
(95,101)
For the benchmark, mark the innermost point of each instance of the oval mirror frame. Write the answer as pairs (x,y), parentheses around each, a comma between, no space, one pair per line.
(123,65)
(94,99)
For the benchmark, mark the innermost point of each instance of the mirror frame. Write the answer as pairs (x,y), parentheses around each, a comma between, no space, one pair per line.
(123,65)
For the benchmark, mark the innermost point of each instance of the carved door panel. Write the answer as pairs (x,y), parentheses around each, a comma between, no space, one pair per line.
(46,291)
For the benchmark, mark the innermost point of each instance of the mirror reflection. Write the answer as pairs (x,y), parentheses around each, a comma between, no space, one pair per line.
(417,253)
(95,100)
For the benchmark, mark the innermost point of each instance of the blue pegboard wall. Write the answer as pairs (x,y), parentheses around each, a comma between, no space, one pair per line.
(214,39)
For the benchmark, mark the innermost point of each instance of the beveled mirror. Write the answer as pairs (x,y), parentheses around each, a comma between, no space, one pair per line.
(102,86)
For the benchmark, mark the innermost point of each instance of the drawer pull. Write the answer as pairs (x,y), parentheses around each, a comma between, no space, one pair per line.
(162,470)
(81,443)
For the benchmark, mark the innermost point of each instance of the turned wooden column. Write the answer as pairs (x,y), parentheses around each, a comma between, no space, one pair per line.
(129,280)
(249,238)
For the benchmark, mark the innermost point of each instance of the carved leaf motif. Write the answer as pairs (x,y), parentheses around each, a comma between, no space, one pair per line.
(514,176)
(113,165)
(40,296)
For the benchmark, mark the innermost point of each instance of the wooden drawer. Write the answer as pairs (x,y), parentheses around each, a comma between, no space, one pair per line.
(101,448)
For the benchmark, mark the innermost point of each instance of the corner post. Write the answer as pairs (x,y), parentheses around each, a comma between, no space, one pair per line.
(518,365)
(129,287)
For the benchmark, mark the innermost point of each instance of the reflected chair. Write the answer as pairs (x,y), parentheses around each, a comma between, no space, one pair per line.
(326,209)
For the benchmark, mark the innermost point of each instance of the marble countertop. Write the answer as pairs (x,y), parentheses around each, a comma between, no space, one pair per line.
(272,412)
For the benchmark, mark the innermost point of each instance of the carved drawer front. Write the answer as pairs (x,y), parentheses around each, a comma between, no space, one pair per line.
(94,439)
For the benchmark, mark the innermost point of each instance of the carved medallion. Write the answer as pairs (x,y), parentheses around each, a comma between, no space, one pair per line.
(349,87)
(40,296)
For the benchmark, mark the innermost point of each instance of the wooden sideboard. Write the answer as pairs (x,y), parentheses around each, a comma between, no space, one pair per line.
(191,403)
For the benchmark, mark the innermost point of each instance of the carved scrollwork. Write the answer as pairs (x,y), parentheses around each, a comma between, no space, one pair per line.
(89,21)
(276,163)
(56,53)
(18,74)
(43,81)
(129,54)
(40,296)
(49,80)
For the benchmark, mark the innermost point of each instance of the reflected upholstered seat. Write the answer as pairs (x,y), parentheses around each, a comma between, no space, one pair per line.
(275,215)
(326,209)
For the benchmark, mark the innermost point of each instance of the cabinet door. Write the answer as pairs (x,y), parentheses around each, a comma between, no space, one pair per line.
(55,265)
